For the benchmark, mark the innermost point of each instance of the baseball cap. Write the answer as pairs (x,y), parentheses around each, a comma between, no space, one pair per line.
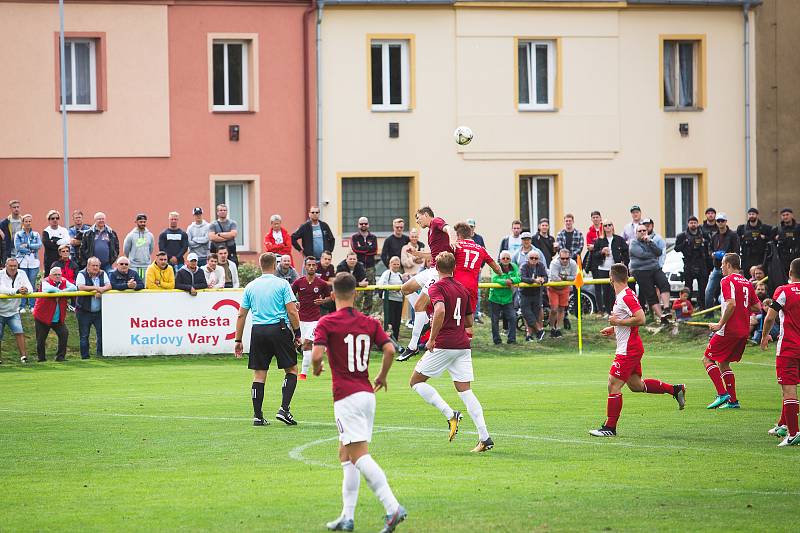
(787,210)
(471,222)
(692,218)
(191,257)
(722,216)
(753,210)
(635,208)
(647,221)
(141,216)
(710,210)
(197,211)
(526,235)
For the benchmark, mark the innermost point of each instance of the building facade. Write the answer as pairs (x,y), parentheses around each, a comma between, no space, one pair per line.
(575,106)
(172,105)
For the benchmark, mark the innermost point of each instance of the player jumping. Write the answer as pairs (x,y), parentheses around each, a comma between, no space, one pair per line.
(311,292)
(449,349)
(626,317)
(786,306)
(348,336)
(470,257)
(729,340)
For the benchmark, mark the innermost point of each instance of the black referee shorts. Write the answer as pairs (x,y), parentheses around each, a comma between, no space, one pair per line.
(268,341)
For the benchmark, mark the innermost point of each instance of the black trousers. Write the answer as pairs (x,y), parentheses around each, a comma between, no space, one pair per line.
(42,330)
(392,314)
(606,299)
(701,275)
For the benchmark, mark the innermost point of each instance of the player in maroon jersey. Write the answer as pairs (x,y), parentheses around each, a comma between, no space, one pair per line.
(625,319)
(728,342)
(441,237)
(348,336)
(786,306)
(449,349)
(311,292)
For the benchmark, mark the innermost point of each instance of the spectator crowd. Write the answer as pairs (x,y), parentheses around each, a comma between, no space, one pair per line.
(204,255)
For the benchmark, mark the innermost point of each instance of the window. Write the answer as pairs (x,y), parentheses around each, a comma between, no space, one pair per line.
(390,74)
(381,200)
(235,196)
(80,59)
(680,202)
(536,75)
(536,200)
(682,74)
(230,84)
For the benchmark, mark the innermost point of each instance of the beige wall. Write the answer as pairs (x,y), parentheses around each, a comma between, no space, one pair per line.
(136,122)
(610,138)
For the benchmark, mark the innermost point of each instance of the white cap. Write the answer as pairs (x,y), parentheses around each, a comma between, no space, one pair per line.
(191,257)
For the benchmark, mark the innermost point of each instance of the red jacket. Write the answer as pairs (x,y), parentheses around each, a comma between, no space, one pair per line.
(284,249)
(45,308)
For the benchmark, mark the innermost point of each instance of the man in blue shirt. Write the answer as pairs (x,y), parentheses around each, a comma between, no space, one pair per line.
(88,308)
(275,333)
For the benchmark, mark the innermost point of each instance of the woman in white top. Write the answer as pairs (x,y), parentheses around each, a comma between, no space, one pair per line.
(392,298)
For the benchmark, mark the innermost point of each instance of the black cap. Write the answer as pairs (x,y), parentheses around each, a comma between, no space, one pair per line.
(787,210)
(197,211)
(752,210)
(692,218)
(635,208)
(711,210)
(141,216)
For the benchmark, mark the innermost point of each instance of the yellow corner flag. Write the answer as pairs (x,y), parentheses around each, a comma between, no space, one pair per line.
(578,285)
(579,278)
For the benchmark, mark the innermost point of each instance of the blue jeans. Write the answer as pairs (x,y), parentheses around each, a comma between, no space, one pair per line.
(712,289)
(31,273)
(87,319)
(506,311)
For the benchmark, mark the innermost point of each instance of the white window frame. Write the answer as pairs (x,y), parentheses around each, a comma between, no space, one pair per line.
(69,48)
(551,75)
(405,74)
(245,74)
(677,210)
(533,213)
(243,222)
(676,81)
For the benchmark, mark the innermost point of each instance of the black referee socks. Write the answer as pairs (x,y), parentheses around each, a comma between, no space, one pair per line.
(289,384)
(257,392)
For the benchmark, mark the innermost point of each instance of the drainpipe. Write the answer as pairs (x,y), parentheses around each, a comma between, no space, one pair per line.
(320,5)
(746,13)
(306,103)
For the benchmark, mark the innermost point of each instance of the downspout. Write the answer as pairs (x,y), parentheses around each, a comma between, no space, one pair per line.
(745,12)
(306,103)
(320,202)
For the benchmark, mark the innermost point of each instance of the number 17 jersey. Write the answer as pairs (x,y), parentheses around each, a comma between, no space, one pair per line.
(348,336)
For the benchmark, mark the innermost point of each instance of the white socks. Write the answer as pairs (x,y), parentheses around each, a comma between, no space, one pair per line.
(475,411)
(420,319)
(376,480)
(350,484)
(306,362)
(430,395)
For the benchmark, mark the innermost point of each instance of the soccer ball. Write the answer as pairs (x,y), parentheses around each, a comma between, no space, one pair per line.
(463,135)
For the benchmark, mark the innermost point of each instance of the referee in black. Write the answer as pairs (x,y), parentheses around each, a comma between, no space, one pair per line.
(275,333)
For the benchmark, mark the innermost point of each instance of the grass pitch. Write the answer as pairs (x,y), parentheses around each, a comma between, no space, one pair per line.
(167,444)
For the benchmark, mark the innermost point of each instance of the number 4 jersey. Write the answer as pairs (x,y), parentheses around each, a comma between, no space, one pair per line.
(457,305)
(348,336)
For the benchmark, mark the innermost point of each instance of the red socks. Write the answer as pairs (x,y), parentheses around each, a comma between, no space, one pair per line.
(654,386)
(716,378)
(790,409)
(613,409)
(730,383)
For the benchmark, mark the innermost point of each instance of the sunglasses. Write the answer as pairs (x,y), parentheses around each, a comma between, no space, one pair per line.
(363,223)
(123,264)
(533,259)
(607,225)
(54,218)
(315,212)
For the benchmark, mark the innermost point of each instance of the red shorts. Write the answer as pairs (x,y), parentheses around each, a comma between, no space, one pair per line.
(788,370)
(558,296)
(624,366)
(726,349)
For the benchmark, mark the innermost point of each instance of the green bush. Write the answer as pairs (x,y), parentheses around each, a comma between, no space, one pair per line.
(247,273)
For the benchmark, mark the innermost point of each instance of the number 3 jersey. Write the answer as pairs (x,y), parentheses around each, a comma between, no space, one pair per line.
(457,305)
(736,287)
(348,336)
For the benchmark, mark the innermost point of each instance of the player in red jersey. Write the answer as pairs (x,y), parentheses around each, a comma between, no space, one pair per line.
(470,258)
(348,337)
(730,333)
(786,306)
(449,349)
(441,237)
(311,292)
(626,317)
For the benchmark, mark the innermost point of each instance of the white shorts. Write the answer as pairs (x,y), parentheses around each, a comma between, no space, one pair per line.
(355,416)
(307,330)
(426,278)
(457,362)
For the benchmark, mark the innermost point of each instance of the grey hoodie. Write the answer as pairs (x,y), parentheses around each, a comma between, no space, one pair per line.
(198,238)
(138,247)
(644,255)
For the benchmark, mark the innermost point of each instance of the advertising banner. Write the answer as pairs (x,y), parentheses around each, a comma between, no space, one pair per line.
(171,323)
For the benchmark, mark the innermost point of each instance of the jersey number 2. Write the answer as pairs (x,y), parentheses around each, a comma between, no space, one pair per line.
(357,352)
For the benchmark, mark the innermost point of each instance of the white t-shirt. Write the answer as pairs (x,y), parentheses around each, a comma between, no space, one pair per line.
(215,279)
(277,236)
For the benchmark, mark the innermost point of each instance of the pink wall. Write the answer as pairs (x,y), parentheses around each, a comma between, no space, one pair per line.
(272,141)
